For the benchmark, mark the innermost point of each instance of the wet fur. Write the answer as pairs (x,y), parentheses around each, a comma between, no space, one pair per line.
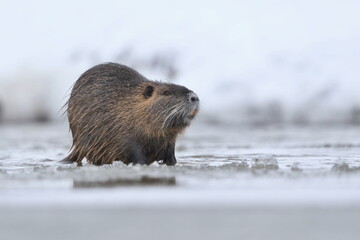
(116,114)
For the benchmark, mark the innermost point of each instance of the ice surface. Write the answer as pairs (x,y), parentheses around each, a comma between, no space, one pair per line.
(250,165)
(245,181)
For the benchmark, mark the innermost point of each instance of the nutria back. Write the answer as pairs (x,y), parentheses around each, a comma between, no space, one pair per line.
(116,114)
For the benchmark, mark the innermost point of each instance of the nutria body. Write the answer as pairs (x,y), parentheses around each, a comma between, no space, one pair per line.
(116,114)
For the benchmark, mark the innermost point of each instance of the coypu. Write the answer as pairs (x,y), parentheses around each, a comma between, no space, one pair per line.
(116,114)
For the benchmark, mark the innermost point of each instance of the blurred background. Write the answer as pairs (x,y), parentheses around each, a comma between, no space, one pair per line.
(251,62)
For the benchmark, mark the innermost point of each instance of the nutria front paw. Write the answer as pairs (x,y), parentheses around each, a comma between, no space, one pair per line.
(170,161)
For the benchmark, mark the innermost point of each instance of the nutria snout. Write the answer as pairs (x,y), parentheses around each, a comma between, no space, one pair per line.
(116,114)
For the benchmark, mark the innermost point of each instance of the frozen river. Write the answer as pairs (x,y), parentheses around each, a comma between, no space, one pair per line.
(229,183)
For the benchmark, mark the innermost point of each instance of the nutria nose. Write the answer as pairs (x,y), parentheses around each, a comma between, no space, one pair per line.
(193,97)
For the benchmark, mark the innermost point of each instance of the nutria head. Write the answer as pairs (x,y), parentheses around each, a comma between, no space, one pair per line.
(168,106)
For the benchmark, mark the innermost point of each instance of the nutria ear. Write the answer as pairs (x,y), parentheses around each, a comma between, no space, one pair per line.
(148,91)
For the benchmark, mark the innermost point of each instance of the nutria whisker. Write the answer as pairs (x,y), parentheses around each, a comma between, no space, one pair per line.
(171,115)
(165,112)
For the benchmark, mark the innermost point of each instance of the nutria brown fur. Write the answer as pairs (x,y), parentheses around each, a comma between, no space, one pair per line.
(116,114)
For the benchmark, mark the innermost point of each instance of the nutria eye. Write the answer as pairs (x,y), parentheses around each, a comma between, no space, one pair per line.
(167,93)
(148,91)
